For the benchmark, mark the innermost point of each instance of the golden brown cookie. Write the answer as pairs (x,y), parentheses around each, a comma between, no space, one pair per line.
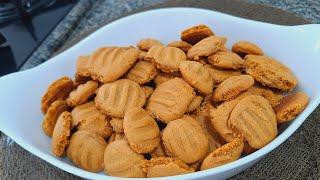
(197,76)
(112,62)
(270,72)
(121,161)
(146,44)
(273,97)
(141,130)
(61,134)
(86,150)
(96,124)
(117,97)
(232,87)
(206,47)
(184,46)
(53,112)
(254,117)
(164,77)
(84,63)
(226,60)
(170,100)
(196,33)
(116,136)
(223,155)
(167,59)
(219,75)
(291,106)
(82,93)
(165,166)
(246,47)
(142,72)
(147,90)
(195,103)
(184,139)
(58,90)
(117,125)
(142,54)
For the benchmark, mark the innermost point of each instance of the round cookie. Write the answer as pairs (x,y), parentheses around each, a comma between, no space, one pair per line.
(167,59)
(194,34)
(232,87)
(290,106)
(142,72)
(195,103)
(273,97)
(226,60)
(206,47)
(184,139)
(61,134)
(224,154)
(141,130)
(197,76)
(246,47)
(184,46)
(50,118)
(111,63)
(117,97)
(86,150)
(254,117)
(84,63)
(164,77)
(270,72)
(121,161)
(82,93)
(165,166)
(58,90)
(219,75)
(170,100)
(146,44)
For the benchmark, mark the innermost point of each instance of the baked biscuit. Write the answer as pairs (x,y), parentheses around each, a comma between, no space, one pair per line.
(142,72)
(254,117)
(61,134)
(167,59)
(196,33)
(141,130)
(184,139)
(206,47)
(245,47)
(121,161)
(184,46)
(219,75)
(117,125)
(112,62)
(58,90)
(290,106)
(270,72)
(273,97)
(195,103)
(86,150)
(116,98)
(82,93)
(164,77)
(223,155)
(84,63)
(116,136)
(232,87)
(170,100)
(197,76)
(147,91)
(165,166)
(146,44)
(96,124)
(226,60)
(53,112)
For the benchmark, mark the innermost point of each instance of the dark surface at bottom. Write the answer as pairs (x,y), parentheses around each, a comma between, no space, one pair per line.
(297,158)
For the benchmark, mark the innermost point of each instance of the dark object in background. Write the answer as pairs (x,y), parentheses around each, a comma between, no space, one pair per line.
(25,24)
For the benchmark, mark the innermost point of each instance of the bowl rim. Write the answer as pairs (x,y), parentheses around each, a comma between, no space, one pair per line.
(199,174)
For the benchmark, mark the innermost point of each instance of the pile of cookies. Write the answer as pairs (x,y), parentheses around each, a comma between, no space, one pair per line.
(162,110)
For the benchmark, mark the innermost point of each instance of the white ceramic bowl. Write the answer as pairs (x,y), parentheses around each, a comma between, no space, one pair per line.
(20,93)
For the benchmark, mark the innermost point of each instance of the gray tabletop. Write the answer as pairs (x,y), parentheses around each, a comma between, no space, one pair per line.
(303,146)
